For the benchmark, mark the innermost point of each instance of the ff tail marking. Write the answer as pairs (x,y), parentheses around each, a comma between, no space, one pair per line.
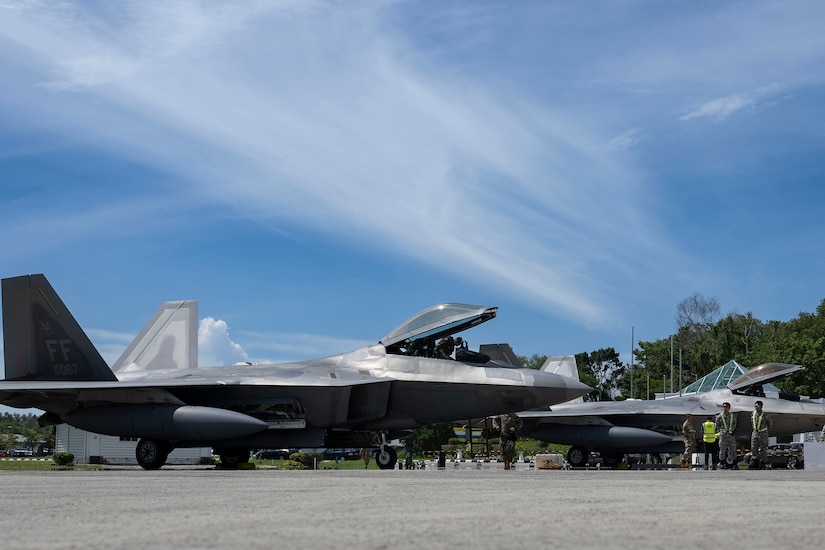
(41,339)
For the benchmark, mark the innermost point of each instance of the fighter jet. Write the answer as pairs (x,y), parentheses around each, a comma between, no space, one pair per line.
(616,428)
(155,392)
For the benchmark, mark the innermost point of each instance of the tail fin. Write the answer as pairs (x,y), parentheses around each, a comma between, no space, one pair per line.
(41,339)
(168,341)
(564,365)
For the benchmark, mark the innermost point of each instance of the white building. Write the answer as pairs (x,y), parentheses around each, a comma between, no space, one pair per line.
(92,448)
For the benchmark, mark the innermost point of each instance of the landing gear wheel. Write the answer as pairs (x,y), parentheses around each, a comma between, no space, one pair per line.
(230,458)
(151,454)
(386,457)
(611,461)
(577,456)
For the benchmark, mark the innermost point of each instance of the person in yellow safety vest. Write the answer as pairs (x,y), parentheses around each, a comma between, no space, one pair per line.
(760,423)
(726,426)
(709,437)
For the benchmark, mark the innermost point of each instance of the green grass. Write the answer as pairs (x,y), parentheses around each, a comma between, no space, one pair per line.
(11,464)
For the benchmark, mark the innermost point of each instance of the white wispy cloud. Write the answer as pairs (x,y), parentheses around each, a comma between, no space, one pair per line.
(722,107)
(309,113)
(625,141)
(334,117)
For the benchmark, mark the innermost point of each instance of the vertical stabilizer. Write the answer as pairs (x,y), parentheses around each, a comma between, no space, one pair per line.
(41,339)
(168,341)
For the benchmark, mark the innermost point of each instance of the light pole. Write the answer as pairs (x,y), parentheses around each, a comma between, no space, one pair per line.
(632,343)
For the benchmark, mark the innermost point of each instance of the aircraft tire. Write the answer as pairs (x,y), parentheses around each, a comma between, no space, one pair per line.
(151,454)
(577,457)
(611,460)
(230,458)
(386,457)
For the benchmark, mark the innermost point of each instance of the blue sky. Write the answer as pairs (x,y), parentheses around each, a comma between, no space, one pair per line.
(314,173)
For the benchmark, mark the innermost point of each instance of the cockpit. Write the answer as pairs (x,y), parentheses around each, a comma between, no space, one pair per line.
(420,334)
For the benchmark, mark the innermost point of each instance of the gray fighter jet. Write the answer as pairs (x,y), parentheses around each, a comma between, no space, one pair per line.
(617,428)
(156,393)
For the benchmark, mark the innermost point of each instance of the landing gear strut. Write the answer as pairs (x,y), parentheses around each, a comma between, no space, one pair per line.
(386,457)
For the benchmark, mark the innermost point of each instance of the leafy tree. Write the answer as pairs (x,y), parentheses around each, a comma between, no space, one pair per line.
(695,315)
(654,362)
(431,438)
(602,370)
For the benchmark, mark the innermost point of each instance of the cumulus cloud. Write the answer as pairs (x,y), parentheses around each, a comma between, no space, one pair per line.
(215,347)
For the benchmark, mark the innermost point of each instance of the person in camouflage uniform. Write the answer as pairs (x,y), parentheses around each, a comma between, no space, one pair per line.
(507,426)
(689,434)
(760,423)
(726,426)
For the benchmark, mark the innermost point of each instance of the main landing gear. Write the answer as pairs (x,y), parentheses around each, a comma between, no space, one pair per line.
(578,457)
(232,458)
(151,454)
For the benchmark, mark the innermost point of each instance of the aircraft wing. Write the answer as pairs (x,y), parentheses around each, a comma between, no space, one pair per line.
(186,388)
(629,412)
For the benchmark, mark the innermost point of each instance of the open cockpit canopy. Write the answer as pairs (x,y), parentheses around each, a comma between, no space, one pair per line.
(758,376)
(419,334)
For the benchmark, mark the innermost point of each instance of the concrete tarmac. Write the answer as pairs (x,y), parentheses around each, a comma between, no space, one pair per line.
(180,507)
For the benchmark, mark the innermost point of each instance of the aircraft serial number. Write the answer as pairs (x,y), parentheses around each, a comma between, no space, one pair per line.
(66,369)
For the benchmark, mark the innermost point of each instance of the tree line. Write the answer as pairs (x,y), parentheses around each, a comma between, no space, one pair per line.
(14,424)
(704,341)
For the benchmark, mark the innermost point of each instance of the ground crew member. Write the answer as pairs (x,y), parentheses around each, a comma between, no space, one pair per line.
(689,433)
(726,426)
(760,424)
(709,436)
(507,426)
